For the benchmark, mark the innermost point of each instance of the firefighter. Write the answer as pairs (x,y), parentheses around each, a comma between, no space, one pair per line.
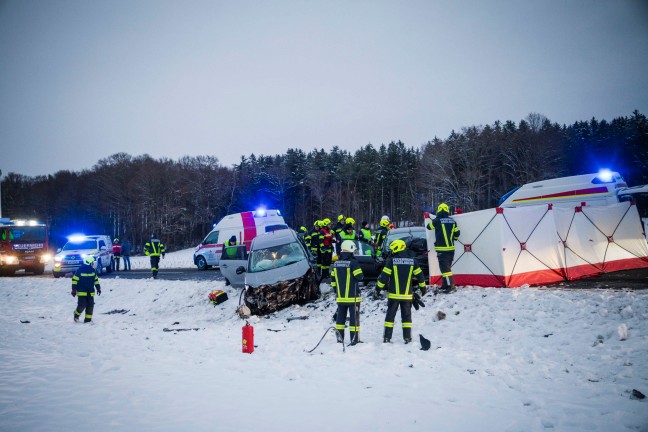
(399,272)
(337,229)
(325,251)
(445,233)
(380,235)
(312,238)
(154,248)
(84,283)
(117,252)
(345,276)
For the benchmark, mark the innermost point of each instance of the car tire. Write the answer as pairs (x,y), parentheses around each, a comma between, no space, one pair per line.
(99,267)
(109,269)
(57,275)
(201,263)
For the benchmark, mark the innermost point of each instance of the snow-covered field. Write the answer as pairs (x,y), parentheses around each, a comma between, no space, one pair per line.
(160,357)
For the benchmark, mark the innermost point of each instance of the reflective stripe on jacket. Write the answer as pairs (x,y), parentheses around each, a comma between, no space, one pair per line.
(399,271)
(345,275)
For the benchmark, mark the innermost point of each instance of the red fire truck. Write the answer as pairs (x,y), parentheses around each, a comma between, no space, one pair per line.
(23,246)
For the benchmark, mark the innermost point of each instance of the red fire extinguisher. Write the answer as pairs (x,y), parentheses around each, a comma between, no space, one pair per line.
(248,338)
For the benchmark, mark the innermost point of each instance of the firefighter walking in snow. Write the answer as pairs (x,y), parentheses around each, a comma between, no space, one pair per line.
(445,233)
(153,249)
(399,272)
(345,276)
(84,283)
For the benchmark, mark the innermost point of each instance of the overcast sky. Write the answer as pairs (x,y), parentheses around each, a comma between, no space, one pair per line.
(81,80)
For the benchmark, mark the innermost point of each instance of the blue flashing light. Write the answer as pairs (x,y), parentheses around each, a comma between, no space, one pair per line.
(605,175)
(76,238)
(260,212)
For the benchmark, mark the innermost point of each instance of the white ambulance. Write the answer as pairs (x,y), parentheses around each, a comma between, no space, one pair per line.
(597,189)
(244,226)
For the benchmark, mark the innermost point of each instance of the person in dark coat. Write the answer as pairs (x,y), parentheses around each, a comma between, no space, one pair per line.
(445,233)
(154,248)
(84,283)
(345,275)
(126,254)
(397,277)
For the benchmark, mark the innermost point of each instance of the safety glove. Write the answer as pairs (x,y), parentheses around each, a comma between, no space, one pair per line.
(73,292)
(98,290)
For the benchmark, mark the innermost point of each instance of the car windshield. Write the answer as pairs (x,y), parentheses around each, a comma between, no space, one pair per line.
(275,257)
(405,235)
(86,244)
(27,234)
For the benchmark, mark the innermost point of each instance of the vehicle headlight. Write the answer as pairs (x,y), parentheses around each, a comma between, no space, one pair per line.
(45,258)
(58,258)
(8,259)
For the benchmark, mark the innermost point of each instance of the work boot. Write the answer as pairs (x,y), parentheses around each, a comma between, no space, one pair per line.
(76,318)
(354,338)
(340,336)
(386,340)
(407,340)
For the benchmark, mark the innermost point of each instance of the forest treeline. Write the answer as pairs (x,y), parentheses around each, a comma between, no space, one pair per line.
(133,196)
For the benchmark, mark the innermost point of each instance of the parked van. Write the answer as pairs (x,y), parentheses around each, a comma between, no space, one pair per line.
(596,189)
(244,226)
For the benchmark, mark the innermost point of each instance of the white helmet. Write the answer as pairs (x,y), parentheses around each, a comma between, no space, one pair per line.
(88,260)
(385,217)
(348,246)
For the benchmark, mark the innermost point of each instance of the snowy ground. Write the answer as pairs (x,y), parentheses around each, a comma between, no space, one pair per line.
(529,359)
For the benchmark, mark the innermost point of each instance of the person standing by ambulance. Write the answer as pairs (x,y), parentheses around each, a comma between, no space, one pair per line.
(154,248)
(117,253)
(445,233)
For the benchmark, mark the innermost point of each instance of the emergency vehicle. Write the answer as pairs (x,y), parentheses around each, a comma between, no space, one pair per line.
(244,226)
(597,189)
(23,246)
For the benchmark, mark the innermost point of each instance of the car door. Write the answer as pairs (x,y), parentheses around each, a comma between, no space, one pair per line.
(230,262)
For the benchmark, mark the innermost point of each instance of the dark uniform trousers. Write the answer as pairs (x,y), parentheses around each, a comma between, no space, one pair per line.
(406,317)
(84,301)
(445,265)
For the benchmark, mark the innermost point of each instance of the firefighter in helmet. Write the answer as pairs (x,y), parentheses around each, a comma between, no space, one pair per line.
(154,248)
(345,276)
(398,277)
(84,283)
(326,239)
(445,233)
(380,235)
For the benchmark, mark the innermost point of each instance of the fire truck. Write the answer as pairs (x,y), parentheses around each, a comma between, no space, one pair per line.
(23,246)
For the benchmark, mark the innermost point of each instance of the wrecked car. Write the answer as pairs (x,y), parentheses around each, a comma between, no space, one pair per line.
(279,272)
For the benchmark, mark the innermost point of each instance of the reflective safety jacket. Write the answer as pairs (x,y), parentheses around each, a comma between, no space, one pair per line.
(85,280)
(365,235)
(346,236)
(400,272)
(445,232)
(154,247)
(381,234)
(230,248)
(345,275)
(326,240)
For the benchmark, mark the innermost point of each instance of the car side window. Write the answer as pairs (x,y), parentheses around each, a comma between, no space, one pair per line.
(101,244)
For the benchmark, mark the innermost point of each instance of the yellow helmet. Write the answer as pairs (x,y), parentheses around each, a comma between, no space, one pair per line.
(350,221)
(443,207)
(326,222)
(340,218)
(397,246)
(317,223)
(384,223)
